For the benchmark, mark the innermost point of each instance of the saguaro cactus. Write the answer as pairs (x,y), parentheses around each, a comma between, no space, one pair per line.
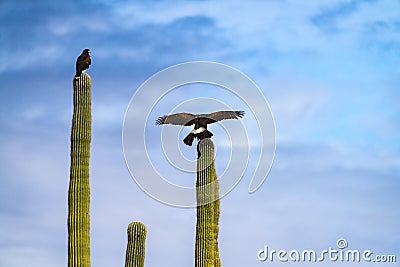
(135,251)
(208,207)
(79,189)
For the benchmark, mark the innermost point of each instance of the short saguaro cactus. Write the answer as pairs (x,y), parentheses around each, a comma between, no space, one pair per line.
(135,251)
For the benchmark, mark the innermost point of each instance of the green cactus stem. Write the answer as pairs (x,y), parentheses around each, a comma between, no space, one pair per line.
(79,188)
(208,207)
(135,251)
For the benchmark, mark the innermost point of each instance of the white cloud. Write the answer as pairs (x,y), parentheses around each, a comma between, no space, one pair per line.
(38,56)
(78,23)
(108,114)
(33,113)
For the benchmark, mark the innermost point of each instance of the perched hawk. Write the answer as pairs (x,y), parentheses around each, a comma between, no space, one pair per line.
(82,63)
(200,122)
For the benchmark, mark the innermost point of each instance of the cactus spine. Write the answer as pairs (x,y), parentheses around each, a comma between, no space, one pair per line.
(79,189)
(208,207)
(135,251)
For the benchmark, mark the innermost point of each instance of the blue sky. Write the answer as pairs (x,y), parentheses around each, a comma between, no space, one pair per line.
(330,71)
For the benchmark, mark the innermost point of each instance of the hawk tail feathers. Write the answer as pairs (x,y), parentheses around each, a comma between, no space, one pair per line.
(189,139)
(200,136)
(204,134)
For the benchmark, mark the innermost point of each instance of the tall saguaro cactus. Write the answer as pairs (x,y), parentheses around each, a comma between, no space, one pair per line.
(135,251)
(208,207)
(79,188)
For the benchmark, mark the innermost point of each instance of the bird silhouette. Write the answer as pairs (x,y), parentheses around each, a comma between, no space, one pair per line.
(200,122)
(82,62)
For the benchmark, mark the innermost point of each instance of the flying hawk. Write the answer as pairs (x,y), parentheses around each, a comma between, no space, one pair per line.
(82,63)
(200,122)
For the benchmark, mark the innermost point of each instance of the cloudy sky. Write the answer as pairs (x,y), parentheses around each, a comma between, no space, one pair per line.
(330,71)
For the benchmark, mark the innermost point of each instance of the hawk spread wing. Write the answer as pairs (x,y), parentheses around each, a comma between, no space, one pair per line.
(224,115)
(176,119)
(187,119)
